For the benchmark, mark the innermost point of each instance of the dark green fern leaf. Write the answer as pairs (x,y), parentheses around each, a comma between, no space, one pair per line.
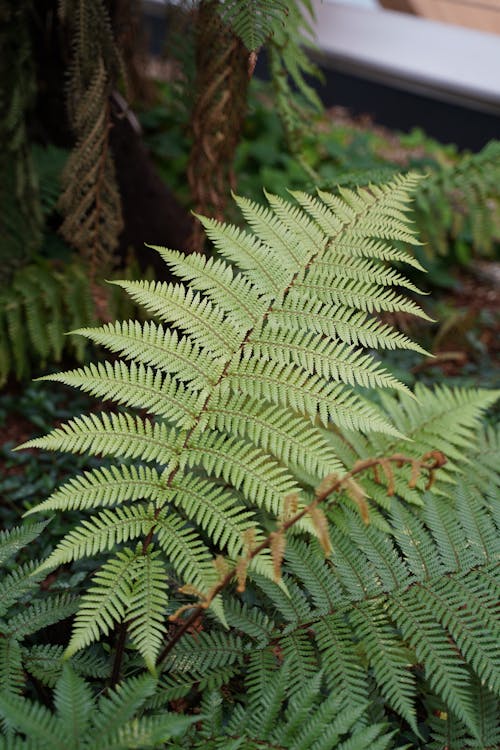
(79,721)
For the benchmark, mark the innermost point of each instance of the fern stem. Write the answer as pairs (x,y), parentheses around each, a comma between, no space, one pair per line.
(119,652)
(429,462)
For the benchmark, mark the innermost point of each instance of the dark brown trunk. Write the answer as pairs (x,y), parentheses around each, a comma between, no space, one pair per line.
(222,76)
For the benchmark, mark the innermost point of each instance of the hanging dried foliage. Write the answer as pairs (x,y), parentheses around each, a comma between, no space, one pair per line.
(90,201)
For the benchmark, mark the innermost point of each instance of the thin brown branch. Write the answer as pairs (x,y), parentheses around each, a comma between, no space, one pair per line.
(119,651)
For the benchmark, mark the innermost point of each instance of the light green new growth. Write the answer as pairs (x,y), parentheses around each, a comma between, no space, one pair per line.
(255,353)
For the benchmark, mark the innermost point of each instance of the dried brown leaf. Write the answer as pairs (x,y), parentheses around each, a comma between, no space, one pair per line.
(277,546)
(320,524)
(241,574)
(290,506)
(328,484)
(358,496)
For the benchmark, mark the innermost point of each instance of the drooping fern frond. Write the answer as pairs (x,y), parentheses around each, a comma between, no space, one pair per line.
(219,107)
(90,201)
(290,65)
(21,215)
(36,309)
(230,434)
(42,302)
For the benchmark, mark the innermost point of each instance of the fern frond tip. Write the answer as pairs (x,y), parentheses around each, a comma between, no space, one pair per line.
(23,446)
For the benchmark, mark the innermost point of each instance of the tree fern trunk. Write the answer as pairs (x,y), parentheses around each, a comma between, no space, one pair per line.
(218,113)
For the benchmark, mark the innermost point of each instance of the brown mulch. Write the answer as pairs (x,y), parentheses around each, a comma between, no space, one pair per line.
(390,148)
(16,430)
(477,292)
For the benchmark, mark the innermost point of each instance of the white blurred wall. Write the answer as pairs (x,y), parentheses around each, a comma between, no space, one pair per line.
(362,3)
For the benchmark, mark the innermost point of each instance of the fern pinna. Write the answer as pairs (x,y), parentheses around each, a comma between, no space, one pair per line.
(267,345)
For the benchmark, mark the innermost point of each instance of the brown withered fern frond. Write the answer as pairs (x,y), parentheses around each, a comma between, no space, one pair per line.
(222,76)
(21,217)
(90,200)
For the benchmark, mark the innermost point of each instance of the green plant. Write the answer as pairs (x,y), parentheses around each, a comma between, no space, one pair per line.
(44,300)
(271,347)
(256,391)
(81,721)
(460,205)
(228,39)
(306,721)
(22,613)
(456,208)
(285,30)
(36,309)
(385,619)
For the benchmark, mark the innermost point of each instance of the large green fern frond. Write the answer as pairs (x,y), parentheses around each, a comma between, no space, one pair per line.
(236,391)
